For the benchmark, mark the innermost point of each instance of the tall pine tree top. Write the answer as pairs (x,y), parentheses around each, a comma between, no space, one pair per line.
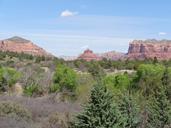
(99,112)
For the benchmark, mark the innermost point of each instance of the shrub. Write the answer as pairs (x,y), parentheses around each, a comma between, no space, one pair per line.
(8,77)
(14,110)
(96,70)
(32,89)
(149,78)
(58,120)
(54,88)
(85,85)
(115,82)
(65,77)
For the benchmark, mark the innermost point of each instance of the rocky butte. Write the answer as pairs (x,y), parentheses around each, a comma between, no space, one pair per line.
(21,45)
(88,55)
(139,49)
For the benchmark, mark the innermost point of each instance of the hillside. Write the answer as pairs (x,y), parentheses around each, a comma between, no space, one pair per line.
(21,45)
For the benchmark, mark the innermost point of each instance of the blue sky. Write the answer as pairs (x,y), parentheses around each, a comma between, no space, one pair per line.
(67,27)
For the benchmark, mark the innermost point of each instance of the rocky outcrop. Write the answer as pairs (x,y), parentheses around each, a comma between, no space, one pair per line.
(88,55)
(20,45)
(139,49)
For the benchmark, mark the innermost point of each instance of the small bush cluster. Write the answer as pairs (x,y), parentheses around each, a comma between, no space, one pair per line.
(58,120)
(14,110)
(8,77)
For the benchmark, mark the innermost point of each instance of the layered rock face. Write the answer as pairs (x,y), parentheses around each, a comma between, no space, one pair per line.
(139,49)
(20,45)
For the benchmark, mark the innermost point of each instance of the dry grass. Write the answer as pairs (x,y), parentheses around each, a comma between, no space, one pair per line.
(42,110)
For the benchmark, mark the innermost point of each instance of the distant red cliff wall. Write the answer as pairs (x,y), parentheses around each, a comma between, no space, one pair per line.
(139,49)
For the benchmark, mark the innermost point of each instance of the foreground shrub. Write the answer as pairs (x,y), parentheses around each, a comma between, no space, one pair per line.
(8,77)
(58,120)
(9,122)
(54,88)
(31,90)
(14,110)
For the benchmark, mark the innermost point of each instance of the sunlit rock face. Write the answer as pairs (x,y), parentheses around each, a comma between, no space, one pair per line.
(139,49)
(88,55)
(20,45)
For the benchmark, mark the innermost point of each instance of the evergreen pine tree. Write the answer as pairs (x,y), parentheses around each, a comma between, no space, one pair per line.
(166,81)
(129,111)
(99,112)
(159,110)
(165,78)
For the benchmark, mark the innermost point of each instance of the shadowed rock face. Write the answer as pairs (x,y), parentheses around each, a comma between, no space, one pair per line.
(139,49)
(19,45)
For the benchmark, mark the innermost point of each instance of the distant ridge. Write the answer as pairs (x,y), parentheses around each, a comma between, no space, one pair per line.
(18,39)
(112,55)
(21,45)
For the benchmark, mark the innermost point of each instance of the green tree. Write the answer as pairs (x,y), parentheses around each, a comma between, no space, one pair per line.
(166,81)
(148,78)
(96,70)
(117,82)
(122,81)
(64,78)
(99,112)
(159,109)
(129,111)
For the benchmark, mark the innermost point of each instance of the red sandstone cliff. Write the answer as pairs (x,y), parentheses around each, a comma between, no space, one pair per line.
(19,45)
(139,49)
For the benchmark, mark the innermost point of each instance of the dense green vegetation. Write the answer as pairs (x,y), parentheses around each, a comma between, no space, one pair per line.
(64,79)
(100,112)
(140,101)
(8,77)
(116,94)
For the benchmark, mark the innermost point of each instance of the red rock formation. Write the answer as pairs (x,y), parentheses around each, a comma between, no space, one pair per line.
(19,45)
(139,49)
(88,55)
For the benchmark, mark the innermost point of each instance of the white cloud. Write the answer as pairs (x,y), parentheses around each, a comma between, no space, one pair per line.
(68,13)
(162,33)
(85,47)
